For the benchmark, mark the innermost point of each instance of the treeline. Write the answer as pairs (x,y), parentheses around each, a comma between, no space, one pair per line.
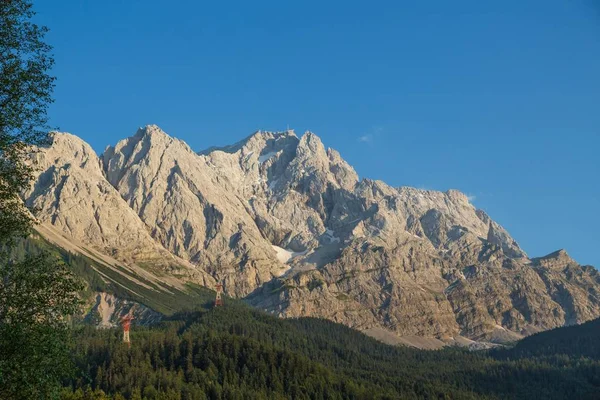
(580,341)
(34,245)
(238,353)
(99,277)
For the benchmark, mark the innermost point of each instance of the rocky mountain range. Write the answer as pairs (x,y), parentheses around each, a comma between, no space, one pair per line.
(286,224)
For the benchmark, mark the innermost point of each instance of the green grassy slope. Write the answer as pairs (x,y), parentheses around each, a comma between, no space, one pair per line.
(121,282)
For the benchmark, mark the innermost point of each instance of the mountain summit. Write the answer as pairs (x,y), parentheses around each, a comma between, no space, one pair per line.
(288,225)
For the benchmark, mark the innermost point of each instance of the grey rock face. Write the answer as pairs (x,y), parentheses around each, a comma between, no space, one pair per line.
(72,194)
(107,310)
(287,223)
(192,210)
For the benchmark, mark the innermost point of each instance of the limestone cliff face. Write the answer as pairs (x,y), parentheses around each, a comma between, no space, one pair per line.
(72,194)
(190,209)
(286,223)
(106,311)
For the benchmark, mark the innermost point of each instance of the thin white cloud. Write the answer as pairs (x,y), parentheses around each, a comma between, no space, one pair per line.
(371,136)
(471,197)
(366,138)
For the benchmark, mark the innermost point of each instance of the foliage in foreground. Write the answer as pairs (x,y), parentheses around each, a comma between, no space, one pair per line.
(25,93)
(36,292)
(35,296)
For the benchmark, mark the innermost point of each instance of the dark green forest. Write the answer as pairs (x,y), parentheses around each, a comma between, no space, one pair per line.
(199,351)
(235,352)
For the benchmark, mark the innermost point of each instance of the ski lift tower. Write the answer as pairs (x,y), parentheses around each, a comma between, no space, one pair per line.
(126,322)
(218,299)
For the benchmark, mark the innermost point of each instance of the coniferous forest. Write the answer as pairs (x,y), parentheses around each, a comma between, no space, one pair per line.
(235,352)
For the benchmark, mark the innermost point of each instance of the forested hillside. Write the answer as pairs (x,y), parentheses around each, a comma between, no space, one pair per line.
(114,279)
(581,341)
(235,352)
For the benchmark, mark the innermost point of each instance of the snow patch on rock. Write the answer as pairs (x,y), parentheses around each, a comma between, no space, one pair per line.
(266,157)
(285,255)
(329,234)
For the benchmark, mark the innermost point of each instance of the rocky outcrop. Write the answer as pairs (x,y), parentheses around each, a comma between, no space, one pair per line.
(286,223)
(72,194)
(107,310)
(191,210)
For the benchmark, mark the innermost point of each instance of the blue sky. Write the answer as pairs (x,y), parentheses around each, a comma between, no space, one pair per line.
(498,99)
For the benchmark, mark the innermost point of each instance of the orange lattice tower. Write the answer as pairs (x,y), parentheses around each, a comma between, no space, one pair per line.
(126,322)
(218,300)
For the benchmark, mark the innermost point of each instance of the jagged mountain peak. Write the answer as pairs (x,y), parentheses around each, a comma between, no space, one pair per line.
(558,258)
(67,150)
(287,221)
(252,140)
(57,138)
(149,133)
(155,135)
(452,195)
(457,195)
(151,130)
(65,141)
(560,253)
(311,145)
(262,142)
(147,145)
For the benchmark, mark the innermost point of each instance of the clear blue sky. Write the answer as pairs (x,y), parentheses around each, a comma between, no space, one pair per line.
(498,99)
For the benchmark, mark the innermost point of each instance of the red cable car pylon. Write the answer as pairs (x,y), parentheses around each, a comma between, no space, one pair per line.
(218,299)
(126,322)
